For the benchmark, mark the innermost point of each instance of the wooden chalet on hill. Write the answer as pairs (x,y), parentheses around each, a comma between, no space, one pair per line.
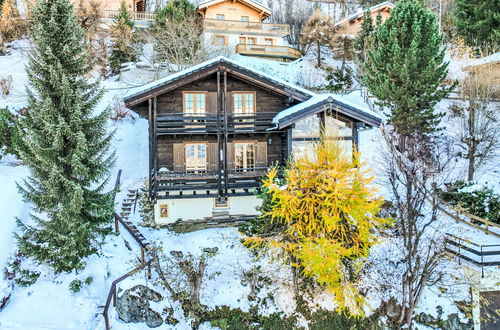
(216,128)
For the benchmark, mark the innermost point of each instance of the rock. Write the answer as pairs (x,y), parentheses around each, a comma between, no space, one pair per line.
(453,323)
(133,306)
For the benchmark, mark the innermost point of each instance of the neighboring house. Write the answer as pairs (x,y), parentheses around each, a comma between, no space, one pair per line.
(487,67)
(352,24)
(238,25)
(110,8)
(216,128)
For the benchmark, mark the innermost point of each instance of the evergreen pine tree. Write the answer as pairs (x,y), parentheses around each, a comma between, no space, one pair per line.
(478,22)
(65,146)
(405,69)
(123,49)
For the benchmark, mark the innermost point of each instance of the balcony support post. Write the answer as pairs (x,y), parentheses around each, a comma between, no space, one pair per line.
(226,137)
(151,143)
(155,148)
(220,146)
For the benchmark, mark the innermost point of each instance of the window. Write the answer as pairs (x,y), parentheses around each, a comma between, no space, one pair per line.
(196,157)
(268,42)
(337,128)
(251,41)
(244,103)
(245,18)
(219,40)
(244,156)
(195,103)
(220,17)
(243,40)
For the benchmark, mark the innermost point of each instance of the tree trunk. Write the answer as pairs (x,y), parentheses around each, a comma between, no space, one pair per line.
(470,170)
(319,53)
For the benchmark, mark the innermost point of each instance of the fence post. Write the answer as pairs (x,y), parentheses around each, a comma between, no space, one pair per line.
(114,295)
(142,255)
(482,265)
(106,320)
(459,253)
(117,227)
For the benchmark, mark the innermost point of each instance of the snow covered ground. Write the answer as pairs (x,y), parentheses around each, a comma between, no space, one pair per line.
(49,304)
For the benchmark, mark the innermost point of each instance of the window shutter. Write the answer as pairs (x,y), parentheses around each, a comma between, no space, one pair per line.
(212,157)
(229,102)
(212,102)
(261,154)
(179,157)
(230,155)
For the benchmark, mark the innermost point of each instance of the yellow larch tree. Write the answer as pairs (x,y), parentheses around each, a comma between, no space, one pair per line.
(326,210)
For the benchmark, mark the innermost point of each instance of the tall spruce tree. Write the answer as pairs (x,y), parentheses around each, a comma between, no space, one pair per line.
(65,146)
(406,68)
(478,22)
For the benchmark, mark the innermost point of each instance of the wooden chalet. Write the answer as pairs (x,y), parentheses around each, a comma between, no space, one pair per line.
(215,129)
(351,25)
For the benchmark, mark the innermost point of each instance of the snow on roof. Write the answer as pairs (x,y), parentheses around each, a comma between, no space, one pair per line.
(321,98)
(361,11)
(493,58)
(209,3)
(163,81)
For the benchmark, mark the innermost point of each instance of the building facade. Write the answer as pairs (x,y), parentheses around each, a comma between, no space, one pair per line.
(215,129)
(239,26)
(351,25)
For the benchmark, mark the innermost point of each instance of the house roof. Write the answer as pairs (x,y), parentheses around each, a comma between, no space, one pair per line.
(250,3)
(319,103)
(309,102)
(360,13)
(209,67)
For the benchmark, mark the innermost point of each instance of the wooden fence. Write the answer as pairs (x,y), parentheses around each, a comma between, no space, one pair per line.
(472,252)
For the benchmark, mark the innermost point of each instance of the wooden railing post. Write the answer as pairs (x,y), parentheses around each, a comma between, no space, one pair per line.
(482,264)
(114,295)
(106,320)
(117,227)
(142,256)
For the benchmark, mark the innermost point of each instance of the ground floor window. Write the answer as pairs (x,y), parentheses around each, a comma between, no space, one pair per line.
(196,157)
(244,156)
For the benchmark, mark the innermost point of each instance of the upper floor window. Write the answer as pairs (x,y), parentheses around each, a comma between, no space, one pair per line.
(251,41)
(195,103)
(245,19)
(220,16)
(219,40)
(244,103)
(268,42)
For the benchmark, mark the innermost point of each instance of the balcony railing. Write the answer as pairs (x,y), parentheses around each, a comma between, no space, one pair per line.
(207,181)
(251,27)
(210,123)
(283,52)
(136,16)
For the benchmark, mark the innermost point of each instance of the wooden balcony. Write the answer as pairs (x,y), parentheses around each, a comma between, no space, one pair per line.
(136,16)
(210,123)
(176,184)
(284,53)
(255,28)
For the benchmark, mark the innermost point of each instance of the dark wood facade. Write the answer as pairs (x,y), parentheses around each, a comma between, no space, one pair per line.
(218,129)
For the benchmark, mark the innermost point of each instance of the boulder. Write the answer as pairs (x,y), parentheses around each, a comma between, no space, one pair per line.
(133,306)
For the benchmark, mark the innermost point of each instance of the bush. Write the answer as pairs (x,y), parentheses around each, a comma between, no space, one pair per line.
(9,135)
(338,79)
(479,201)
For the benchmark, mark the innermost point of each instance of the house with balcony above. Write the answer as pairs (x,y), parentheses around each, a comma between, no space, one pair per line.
(138,8)
(239,25)
(351,25)
(215,129)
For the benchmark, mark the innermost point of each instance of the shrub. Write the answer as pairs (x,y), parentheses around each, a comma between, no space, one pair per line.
(9,134)
(479,201)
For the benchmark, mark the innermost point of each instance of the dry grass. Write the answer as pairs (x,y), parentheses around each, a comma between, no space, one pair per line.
(6,85)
